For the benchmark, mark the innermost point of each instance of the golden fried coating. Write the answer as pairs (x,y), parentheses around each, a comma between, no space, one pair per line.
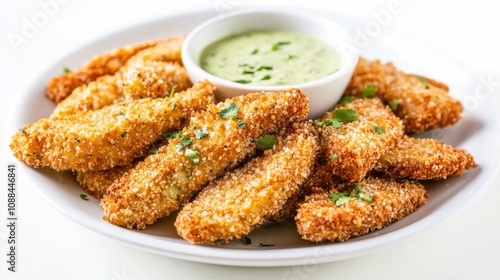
(62,86)
(235,204)
(353,149)
(320,219)
(154,79)
(104,91)
(168,50)
(424,159)
(166,180)
(112,136)
(96,183)
(421,103)
(320,178)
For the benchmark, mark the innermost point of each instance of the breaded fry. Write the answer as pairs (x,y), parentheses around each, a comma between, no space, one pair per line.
(320,178)
(421,103)
(235,204)
(424,159)
(62,86)
(96,183)
(353,149)
(154,79)
(104,91)
(112,136)
(320,219)
(168,50)
(164,181)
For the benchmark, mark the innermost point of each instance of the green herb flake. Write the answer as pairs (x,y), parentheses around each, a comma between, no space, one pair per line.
(246,240)
(247,72)
(424,81)
(84,197)
(266,142)
(242,124)
(23,131)
(66,70)
(255,51)
(231,111)
(193,155)
(172,134)
(369,92)
(172,93)
(394,104)
(291,56)
(347,99)
(263,244)
(334,157)
(185,141)
(345,115)
(201,133)
(276,46)
(378,129)
(153,150)
(366,197)
(263,67)
(77,139)
(266,77)
(124,134)
(242,81)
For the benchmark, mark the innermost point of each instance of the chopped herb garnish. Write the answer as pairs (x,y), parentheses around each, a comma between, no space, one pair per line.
(263,244)
(23,131)
(77,139)
(193,155)
(345,115)
(66,69)
(242,81)
(361,195)
(247,72)
(276,46)
(172,93)
(425,81)
(343,197)
(291,56)
(172,134)
(347,99)
(201,133)
(264,68)
(334,157)
(266,77)
(84,197)
(153,150)
(369,92)
(394,104)
(231,111)
(255,51)
(246,240)
(185,141)
(124,134)
(266,141)
(378,129)
(242,124)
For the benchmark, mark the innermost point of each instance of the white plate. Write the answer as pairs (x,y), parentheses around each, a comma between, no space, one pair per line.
(477,132)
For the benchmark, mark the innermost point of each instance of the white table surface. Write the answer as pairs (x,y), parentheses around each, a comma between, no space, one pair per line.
(53,247)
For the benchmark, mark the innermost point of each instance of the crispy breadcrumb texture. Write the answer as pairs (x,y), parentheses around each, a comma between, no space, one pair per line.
(106,138)
(62,86)
(165,181)
(353,149)
(154,79)
(321,219)
(96,183)
(424,159)
(235,204)
(421,103)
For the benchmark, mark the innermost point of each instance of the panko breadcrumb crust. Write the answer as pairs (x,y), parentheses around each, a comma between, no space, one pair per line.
(353,149)
(423,103)
(106,138)
(424,159)
(230,207)
(320,219)
(165,181)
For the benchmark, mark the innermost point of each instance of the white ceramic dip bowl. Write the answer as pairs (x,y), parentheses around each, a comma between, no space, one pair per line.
(323,93)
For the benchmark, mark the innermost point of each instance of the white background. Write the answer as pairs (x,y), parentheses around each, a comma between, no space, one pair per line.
(53,247)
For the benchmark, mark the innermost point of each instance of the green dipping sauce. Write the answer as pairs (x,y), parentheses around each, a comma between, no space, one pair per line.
(270,58)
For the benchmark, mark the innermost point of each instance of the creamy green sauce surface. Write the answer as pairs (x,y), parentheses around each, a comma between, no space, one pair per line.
(270,58)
